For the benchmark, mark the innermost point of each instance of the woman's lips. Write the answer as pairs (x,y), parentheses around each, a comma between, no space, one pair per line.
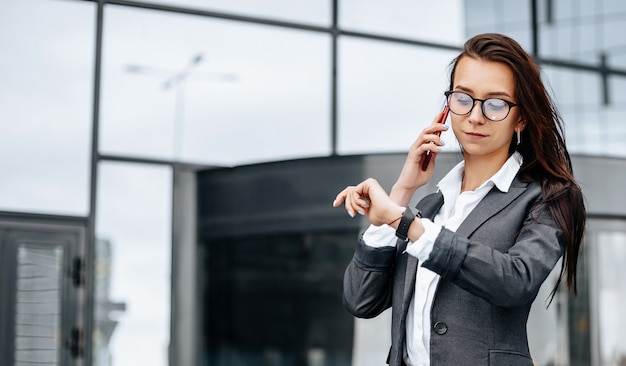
(475,135)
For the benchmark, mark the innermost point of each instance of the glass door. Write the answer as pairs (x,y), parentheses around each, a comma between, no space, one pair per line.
(42,293)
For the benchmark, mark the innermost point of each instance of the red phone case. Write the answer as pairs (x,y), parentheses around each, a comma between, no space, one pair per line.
(427,154)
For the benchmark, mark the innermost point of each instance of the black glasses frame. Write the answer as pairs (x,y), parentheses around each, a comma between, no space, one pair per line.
(482,105)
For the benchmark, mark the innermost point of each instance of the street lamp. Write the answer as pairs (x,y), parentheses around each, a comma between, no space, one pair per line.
(176,80)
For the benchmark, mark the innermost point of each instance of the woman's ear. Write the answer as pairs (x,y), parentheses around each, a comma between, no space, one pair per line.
(521,125)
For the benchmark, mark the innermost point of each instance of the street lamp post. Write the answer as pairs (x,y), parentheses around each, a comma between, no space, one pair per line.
(177,81)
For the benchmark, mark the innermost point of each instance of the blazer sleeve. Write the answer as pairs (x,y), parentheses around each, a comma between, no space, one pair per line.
(368,280)
(505,278)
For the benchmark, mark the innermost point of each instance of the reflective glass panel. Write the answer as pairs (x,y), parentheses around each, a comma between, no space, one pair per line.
(38,306)
(612,46)
(132,265)
(388,93)
(372,340)
(610,294)
(433,21)
(507,17)
(584,30)
(212,91)
(547,327)
(571,41)
(276,300)
(591,127)
(46,70)
(315,12)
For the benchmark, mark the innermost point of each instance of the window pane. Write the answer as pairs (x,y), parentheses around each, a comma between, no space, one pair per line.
(434,21)
(591,127)
(133,265)
(213,91)
(372,339)
(294,284)
(584,30)
(388,93)
(315,12)
(610,264)
(46,70)
(507,17)
(547,327)
(613,47)
(38,307)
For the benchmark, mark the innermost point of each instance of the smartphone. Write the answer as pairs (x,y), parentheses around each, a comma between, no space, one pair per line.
(427,154)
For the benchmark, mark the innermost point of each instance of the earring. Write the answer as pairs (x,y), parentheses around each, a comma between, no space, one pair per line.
(519,136)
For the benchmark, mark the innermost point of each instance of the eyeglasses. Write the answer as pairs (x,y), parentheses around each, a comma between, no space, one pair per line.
(494,109)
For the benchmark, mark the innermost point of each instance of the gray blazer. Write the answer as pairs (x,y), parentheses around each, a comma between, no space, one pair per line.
(491,270)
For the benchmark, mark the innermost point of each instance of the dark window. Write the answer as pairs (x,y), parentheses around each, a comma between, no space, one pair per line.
(277,300)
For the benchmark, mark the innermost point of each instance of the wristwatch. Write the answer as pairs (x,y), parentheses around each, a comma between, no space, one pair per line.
(408,216)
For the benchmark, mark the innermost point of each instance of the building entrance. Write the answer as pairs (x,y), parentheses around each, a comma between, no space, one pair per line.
(42,289)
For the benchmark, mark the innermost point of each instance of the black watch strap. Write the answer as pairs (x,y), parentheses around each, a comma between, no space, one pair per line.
(408,216)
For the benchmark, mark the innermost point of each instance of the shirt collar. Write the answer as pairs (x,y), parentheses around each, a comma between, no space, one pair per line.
(502,179)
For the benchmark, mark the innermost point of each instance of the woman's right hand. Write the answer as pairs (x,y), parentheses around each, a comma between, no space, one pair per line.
(412,176)
(368,198)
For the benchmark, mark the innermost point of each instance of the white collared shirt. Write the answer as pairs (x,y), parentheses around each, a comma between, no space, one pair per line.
(457,206)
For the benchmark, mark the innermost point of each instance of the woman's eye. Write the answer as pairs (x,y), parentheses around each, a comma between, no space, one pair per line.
(495,104)
(464,100)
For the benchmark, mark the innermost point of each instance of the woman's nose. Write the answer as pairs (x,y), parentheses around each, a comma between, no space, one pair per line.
(476,114)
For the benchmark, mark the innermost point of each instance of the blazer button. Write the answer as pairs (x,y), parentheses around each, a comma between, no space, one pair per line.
(440,328)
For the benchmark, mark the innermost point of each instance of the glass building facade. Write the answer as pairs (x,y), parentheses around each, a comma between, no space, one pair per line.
(168,168)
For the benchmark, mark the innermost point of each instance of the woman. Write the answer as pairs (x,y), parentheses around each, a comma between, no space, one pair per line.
(462,274)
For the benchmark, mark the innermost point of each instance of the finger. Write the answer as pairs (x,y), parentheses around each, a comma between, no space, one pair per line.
(431,133)
(419,148)
(359,197)
(347,196)
(433,139)
(341,196)
(363,202)
(432,146)
(358,203)
(436,129)
(349,204)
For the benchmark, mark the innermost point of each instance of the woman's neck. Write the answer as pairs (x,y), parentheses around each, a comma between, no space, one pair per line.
(479,169)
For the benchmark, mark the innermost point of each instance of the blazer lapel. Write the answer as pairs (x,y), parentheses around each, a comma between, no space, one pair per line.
(429,206)
(493,203)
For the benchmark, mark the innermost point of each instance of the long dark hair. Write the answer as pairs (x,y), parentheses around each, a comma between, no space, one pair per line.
(543,146)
